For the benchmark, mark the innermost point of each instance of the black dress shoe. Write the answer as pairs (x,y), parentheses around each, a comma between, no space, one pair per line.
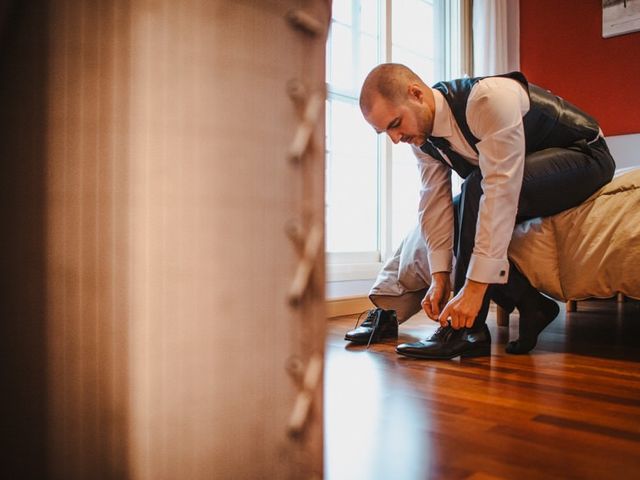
(378,325)
(448,343)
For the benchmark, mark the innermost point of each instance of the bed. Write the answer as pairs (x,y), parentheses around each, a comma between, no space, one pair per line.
(590,251)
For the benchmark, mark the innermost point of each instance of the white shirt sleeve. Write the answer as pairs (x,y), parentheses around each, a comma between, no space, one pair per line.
(494,114)
(435,211)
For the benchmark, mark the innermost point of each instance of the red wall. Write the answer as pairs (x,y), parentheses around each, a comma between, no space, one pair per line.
(562,49)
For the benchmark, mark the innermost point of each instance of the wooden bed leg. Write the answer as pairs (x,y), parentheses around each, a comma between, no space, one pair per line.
(502,316)
(572,306)
(620,297)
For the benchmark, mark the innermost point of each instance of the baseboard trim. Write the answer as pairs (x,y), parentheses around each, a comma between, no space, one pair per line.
(348,306)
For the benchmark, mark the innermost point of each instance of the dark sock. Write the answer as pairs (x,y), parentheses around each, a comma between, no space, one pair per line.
(536,312)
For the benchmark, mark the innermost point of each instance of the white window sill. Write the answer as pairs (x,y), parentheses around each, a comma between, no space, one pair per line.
(338,272)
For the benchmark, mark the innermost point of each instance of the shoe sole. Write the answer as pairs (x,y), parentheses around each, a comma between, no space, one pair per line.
(375,340)
(478,352)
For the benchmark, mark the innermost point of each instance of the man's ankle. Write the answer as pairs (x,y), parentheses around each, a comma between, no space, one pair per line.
(531,301)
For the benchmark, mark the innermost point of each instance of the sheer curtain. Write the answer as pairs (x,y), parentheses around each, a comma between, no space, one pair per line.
(496,36)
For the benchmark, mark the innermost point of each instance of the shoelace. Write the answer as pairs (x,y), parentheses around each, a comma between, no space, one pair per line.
(376,322)
(371,315)
(442,333)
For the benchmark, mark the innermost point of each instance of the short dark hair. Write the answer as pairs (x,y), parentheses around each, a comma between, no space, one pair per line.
(389,80)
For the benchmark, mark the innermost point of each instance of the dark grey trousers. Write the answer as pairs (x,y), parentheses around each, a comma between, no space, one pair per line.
(555,179)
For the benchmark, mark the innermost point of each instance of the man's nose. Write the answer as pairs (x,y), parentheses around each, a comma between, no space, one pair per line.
(394,136)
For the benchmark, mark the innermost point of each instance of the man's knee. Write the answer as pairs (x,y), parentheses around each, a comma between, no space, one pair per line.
(609,164)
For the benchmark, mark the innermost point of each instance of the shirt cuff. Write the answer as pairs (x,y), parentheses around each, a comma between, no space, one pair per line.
(488,270)
(440,261)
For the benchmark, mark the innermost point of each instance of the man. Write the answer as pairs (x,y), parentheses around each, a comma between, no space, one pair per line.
(523,153)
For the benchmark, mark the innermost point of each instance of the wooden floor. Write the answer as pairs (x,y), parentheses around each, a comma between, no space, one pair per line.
(570,409)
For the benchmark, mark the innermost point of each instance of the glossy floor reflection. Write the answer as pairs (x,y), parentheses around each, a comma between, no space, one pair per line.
(571,409)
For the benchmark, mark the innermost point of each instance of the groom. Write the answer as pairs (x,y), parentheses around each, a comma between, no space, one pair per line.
(523,153)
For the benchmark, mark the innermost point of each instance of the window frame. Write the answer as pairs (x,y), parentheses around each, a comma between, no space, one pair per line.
(364,265)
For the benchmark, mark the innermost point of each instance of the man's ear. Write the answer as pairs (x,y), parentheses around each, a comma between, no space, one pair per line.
(415,92)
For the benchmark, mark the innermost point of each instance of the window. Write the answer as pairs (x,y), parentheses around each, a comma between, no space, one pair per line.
(371,188)
(352,191)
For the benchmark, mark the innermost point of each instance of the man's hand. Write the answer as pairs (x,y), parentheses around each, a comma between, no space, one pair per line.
(437,295)
(464,307)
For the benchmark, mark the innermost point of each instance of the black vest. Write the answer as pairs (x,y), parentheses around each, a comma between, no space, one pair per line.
(550,121)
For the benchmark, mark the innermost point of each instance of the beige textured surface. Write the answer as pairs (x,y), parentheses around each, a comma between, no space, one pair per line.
(592,250)
(533,250)
(212,330)
(87,211)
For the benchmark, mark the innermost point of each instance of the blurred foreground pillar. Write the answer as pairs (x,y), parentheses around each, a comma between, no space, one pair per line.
(163,249)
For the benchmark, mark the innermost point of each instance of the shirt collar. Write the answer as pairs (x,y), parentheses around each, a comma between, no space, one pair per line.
(442,116)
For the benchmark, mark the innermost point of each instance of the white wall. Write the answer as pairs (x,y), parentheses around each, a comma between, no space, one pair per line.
(625,149)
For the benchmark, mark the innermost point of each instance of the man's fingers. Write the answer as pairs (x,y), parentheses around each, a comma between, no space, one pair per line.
(443,301)
(426,306)
(444,316)
(455,321)
(469,322)
(432,303)
(436,302)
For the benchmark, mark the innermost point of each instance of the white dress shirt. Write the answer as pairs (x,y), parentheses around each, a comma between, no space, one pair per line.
(494,114)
